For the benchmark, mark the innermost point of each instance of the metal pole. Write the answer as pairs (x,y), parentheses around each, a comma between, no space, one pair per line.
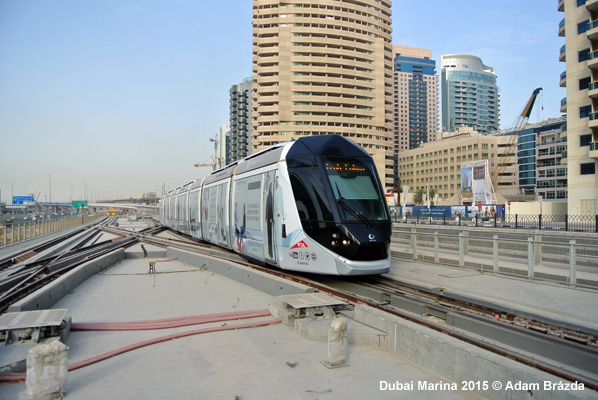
(461,249)
(530,257)
(414,243)
(572,266)
(436,256)
(495,253)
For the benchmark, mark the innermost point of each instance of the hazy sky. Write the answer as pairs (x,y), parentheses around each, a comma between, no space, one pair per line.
(122,96)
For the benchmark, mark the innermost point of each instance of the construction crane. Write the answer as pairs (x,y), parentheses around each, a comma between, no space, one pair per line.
(509,142)
(216,164)
(213,164)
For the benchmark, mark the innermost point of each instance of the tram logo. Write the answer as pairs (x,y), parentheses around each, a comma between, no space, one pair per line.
(300,245)
(372,236)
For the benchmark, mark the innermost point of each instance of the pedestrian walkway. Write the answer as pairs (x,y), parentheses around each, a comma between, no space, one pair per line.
(573,306)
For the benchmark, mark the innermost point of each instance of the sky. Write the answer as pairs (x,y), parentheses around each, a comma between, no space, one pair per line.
(107,99)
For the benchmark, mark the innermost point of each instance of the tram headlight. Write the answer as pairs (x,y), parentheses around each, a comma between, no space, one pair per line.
(335,235)
(334,243)
(346,242)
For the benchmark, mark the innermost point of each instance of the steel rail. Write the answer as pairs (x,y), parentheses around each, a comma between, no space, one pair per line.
(561,372)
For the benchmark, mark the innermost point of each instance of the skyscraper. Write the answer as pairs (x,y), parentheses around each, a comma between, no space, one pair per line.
(415,97)
(324,67)
(579,53)
(241,100)
(469,94)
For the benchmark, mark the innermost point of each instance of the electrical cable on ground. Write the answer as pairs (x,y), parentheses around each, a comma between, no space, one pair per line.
(134,346)
(169,322)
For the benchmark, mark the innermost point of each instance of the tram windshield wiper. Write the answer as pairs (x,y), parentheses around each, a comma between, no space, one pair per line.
(344,202)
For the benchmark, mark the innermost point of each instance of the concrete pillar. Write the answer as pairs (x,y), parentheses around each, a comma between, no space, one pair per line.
(337,344)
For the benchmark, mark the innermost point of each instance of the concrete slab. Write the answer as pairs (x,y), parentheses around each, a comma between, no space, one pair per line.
(270,362)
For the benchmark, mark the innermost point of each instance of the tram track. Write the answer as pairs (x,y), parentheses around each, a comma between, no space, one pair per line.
(563,352)
(20,279)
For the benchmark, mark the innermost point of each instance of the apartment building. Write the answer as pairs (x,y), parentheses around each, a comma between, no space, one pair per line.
(541,152)
(438,164)
(224,144)
(324,67)
(469,94)
(415,97)
(579,27)
(241,126)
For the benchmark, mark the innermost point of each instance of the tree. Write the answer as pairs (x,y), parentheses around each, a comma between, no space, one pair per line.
(418,198)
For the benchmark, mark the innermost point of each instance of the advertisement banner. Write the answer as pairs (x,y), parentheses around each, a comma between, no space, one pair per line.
(475,182)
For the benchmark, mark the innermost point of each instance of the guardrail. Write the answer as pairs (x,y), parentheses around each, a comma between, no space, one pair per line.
(570,223)
(15,233)
(557,258)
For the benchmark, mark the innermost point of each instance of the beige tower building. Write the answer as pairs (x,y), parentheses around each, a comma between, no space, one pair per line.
(579,27)
(438,164)
(324,67)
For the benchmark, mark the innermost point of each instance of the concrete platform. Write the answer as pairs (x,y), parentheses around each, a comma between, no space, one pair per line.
(270,362)
(551,301)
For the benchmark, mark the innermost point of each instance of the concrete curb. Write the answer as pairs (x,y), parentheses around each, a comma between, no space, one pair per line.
(265,283)
(439,353)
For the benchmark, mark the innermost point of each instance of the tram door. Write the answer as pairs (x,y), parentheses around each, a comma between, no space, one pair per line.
(269,212)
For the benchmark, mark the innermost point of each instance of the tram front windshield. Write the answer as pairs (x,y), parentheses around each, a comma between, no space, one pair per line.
(356,190)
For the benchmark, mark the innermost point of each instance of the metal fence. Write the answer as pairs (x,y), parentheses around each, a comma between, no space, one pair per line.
(555,257)
(571,223)
(18,232)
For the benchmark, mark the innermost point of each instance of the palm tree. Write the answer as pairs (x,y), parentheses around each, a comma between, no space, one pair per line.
(418,198)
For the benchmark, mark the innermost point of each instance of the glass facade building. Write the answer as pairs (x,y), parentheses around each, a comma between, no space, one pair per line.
(417,95)
(540,150)
(469,94)
(415,99)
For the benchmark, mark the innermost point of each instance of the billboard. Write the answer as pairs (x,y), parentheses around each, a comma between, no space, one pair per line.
(475,183)
(23,200)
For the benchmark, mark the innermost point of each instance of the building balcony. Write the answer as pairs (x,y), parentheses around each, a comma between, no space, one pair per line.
(563,53)
(563,81)
(562,28)
(593,120)
(593,90)
(591,5)
(594,150)
(564,105)
(592,31)
(592,59)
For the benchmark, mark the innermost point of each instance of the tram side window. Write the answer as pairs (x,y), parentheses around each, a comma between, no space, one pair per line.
(193,209)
